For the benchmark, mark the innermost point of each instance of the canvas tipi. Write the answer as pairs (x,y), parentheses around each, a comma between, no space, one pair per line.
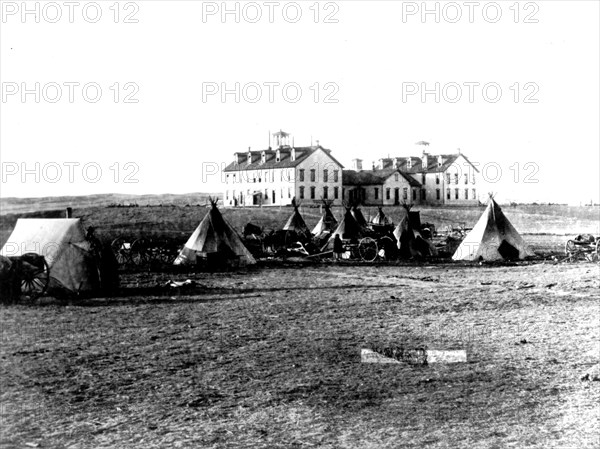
(296,223)
(381,219)
(348,229)
(410,241)
(73,264)
(327,223)
(359,217)
(214,240)
(492,238)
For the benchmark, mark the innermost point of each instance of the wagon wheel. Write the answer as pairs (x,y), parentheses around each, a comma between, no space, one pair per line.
(141,252)
(367,248)
(35,275)
(598,250)
(122,250)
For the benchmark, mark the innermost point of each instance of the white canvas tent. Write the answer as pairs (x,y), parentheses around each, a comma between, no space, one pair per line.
(493,238)
(62,241)
(327,223)
(215,239)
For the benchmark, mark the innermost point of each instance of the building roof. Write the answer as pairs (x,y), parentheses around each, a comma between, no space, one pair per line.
(285,161)
(433,165)
(374,177)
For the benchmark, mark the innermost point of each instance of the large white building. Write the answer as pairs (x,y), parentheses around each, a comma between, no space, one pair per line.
(273,177)
(444,179)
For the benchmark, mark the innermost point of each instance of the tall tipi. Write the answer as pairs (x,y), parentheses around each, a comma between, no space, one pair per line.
(327,223)
(215,240)
(492,238)
(296,223)
(348,229)
(408,236)
(359,217)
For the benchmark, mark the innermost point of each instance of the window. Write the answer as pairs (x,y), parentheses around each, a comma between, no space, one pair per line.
(301,175)
(405,193)
(301,192)
(396,177)
(313,175)
(281,193)
(423,179)
(336,175)
(414,197)
(266,194)
(455,194)
(227,194)
(466,178)
(343,193)
(325,176)
(438,195)
(259,179)
(448,194)
(325,193)
(473,179)
(376,193)
(455,178)
(447,178)
(227,179)
(289,192)
(423,194)
(466,194)
(312,193)
(437,179)
(336,192)
(387,194)
(234,179)
(474,194)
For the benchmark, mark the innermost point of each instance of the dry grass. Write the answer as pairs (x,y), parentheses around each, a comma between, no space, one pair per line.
(271,358)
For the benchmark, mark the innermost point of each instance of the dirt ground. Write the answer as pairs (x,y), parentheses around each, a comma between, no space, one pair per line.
(270,357)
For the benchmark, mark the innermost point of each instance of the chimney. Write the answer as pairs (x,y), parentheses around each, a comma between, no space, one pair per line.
(69,212)
(440,160)
(357,164)
(425,160)
(293,154)
(408,162)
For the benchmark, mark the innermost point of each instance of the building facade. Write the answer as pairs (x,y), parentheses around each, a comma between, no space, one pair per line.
(444,179)
(273,177)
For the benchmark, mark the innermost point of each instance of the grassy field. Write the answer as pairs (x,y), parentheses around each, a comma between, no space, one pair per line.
(178,222)
(270,358)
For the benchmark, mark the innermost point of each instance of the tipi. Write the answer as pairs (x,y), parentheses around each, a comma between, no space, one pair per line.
(408,236)
(359,217)
(347,229)
(381,219)
(214,240)
(296,223)
(492,238)
(327,223)
(74,266)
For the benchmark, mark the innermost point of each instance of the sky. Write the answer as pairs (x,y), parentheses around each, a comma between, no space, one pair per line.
(155,96)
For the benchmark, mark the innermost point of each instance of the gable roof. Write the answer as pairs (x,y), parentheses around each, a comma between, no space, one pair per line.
(285,161)
(432,163)
(374,177)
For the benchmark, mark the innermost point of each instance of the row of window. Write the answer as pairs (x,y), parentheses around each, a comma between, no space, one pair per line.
(313,175)
(301,176)
(313,193)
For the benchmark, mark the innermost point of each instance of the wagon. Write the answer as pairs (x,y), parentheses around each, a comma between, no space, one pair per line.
(26,276)
(583,247)
(143,251)
(368,249)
